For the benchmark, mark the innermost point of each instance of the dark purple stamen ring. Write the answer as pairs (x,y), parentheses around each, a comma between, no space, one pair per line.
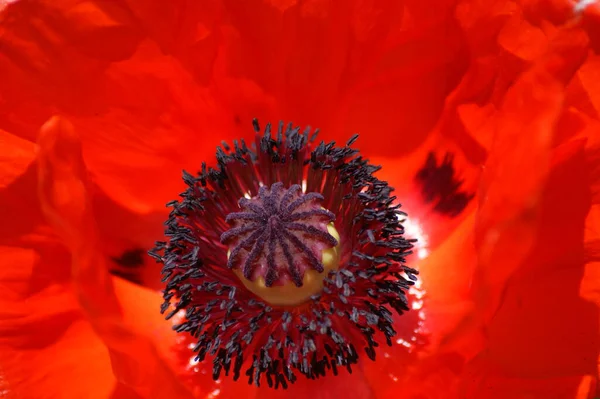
(233,327)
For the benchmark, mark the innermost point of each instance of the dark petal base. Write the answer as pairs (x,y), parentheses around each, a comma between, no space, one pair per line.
(129,265)
(441,187)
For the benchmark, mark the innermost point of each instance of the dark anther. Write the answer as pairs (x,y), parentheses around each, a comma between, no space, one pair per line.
(440,185)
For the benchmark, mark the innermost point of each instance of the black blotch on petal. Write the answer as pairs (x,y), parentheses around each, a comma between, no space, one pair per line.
(129,265)
(441,187)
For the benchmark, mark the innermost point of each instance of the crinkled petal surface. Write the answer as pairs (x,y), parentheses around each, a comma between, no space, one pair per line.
(44,333)
(17,155)
(510,88)
(139,78)
(530,242)
(94,306)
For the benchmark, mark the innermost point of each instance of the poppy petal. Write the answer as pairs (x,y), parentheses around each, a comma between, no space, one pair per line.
(185,30)
(448,284)
(525,336)
(62,186)
(495,385)
(590,78)
(46,337)
(136,98)
(45,340)
(43,332)
(355,53)
(344,385)
(54,53)
(541,254)
(559,12)
(157,119)
(17,154)
(525,135)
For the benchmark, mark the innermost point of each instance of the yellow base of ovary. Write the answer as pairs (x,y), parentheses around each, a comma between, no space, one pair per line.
(289,294)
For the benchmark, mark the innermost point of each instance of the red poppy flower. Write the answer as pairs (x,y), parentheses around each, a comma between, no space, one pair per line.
(483,116)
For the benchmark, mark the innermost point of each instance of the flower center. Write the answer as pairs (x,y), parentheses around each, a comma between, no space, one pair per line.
(282,250)
(282,244)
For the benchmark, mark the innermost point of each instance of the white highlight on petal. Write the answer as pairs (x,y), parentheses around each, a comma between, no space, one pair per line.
(4,387)
(402,342)
(177,318)
(3,4)
(581,5)
(413,229)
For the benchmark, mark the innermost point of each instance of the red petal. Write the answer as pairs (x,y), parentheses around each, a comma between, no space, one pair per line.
(125,110)
(135,359)
(183,29)
(522,39)
(559,12)
(591,23)
(525,135)
(54,53)
(47,348)
(381,66)
(556,11)
(344,385)
(157,122)
(495,385)
(589,75)
(525,335)
(16,154)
